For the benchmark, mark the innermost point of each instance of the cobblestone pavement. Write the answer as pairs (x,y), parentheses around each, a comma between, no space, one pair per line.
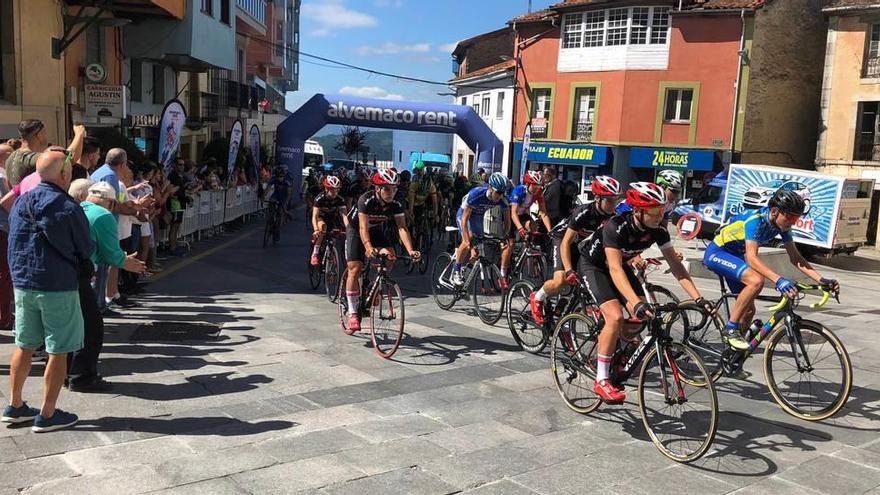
(281,401)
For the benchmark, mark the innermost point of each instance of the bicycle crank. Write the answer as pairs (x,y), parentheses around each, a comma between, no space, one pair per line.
(732,362)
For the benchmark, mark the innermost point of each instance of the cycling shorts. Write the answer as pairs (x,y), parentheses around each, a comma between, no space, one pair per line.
(557,256)
(475,223)
(728,266)
(354,248)
(600,286)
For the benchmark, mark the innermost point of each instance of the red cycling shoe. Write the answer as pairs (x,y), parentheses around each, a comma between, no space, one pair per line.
(315,261)
(354,322)
(608,392)
(537,309)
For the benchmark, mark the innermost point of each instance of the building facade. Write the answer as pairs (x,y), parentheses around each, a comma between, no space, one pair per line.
(404,143)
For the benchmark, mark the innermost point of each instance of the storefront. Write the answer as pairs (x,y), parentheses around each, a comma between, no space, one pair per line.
(573,162)
(693,164)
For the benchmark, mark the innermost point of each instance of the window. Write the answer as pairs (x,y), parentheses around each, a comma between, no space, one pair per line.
(616,27)
(584,114)
(678,106)
(486,104)
(541,104)
(208,7)
(7,52)
(94,44)
(136,79)
(279,39)
(400,156)
(499,110)
(872,61)
(464,101)
(158,84)
(241,67)
(476,106)
(868,132)
(224,11)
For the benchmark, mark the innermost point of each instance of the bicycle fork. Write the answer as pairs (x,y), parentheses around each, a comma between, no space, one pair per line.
(677,396)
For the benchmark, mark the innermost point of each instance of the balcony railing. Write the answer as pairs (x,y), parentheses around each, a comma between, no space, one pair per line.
(254,8)
(872,67)
(210,104)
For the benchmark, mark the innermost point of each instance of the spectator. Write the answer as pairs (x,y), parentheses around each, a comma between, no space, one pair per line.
(140,188)
(119,282)
(91,155)
(14,143)
(23,161)
(5,152)
(553,196)
(176,205)
(99,204)
(48,239)
(6,313)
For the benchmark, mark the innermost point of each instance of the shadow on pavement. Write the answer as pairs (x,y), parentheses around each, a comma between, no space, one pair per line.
(446,348)
(195,386)
(218,425)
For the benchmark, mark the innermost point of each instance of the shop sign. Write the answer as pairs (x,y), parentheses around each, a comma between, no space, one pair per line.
(672,158)
(145,120)
(104,100)
(565,154)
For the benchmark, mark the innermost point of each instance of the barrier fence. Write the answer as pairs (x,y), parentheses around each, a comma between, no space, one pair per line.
(210,210)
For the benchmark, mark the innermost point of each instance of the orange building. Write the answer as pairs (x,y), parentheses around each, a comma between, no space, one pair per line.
(632,87)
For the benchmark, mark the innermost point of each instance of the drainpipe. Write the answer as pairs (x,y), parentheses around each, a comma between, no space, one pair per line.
(739,71)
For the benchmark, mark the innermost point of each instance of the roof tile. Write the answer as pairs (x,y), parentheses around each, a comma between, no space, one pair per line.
(507,64)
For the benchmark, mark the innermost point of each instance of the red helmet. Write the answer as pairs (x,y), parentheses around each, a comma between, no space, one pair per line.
(605,186)
(386,177)
(533,177)
(645,195)
(332,182)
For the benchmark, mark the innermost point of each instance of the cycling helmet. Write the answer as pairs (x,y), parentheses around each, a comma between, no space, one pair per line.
(331,182)
(605,186)
(419,165)
(386,178)
(645,195)
(670,179)
(498,182)
(788,202)
(405,176)
(533,177)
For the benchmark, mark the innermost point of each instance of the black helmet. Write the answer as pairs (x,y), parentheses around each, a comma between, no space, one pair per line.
(788,202)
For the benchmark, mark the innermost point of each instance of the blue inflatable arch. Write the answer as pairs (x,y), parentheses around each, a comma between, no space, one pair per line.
(321,110)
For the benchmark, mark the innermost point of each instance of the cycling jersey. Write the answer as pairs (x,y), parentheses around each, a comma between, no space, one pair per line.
(420,189)
(281,190)
(523,200)
(621,232)
(327,206)
(479,203)
(749,226)
(377,211)
(402,195)
(585,219)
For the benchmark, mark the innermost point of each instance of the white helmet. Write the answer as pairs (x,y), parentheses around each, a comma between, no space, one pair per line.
(671,179)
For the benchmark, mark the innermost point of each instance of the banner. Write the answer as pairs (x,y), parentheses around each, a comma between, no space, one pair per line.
(234,143)
(173,118)
(526,144)
(254,143)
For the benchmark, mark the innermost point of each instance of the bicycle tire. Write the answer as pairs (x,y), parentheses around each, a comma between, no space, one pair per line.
(443,296)
(314,273)
(387,322)
(331,272)
(342,305)
(574,349)
(488,294)
(410,264)
(528,335)
(701,420)
(267,229)
(774,355)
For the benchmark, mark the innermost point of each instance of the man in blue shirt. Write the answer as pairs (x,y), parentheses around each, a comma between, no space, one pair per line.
(470,217)
(48,241)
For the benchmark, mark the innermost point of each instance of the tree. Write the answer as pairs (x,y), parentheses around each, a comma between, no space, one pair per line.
(352,141)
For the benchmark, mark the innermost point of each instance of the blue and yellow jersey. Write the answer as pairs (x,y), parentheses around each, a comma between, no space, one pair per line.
(749,226)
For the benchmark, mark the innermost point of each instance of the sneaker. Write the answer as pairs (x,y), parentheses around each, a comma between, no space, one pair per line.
(537,309)
(457,279)
(110,313)
(735,340)
(58,421)
(608,392)
(124,302)
(314,260)
(16,415)
(354,322)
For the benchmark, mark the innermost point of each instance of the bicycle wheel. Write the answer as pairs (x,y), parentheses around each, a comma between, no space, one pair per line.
(342,304)
(267,229)
(314,273)
(331,272)
(387,318)
(425,248)
(528,334)
(574,350)
(813,392)
(488,294)
(680,416)
(441,285)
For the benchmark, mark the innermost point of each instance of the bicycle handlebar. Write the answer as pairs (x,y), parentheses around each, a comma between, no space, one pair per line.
(826,296)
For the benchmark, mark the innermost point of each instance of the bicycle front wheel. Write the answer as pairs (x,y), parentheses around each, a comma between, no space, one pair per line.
(314,273)
(331,272)
(528,334)
(810,380)
(387,318)
(441,281)
(488,294)
(678,402)
(574,351)
(342,304)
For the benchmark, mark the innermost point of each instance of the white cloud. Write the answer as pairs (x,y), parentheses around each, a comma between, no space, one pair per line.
(389,48)
(448,47)
(370,92)
(331,15)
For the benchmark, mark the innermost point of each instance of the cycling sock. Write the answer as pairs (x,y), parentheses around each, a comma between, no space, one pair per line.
(504,271)
(732,326)
(540,295)
(352,298)
(456,267)
(604,367)
(315,249)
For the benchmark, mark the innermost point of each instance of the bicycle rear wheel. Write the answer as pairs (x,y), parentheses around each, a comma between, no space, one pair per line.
(441,283)
(342,304)
(813,392)
(488,294)
(387,318)
(678,403)
(528,334)
(314,273)
(331,272)
(574,350)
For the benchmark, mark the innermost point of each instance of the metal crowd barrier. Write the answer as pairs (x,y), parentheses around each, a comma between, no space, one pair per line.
(210,210)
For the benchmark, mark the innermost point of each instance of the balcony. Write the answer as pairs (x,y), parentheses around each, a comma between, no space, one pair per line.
(255,9)
(872,67)
(209,106)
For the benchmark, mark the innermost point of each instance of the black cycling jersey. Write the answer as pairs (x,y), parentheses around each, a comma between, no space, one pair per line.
(622,233)
(585,219)
(328,206)
(378,212)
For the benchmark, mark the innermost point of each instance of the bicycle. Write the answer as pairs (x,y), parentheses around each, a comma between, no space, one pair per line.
(785,326)
(529,263)
(677,398)
(381,302)
(422,241)
(328,269)
(481,276)
(272,230)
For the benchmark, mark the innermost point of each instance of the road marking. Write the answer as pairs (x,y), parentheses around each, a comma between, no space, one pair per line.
(189,261)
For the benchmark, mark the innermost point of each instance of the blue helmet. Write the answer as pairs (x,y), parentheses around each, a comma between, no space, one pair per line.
(498,182)
(328,167)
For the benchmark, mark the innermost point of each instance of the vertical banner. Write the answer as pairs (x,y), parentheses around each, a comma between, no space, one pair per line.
(234,143)
(173,118)
(527,143)
(254,143)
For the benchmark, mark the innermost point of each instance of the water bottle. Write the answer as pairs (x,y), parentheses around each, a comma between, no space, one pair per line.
(754,329)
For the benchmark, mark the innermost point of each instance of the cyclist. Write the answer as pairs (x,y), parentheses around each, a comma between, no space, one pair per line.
(521,199)
(610,280)
(365,236)
(311,186)
(733,255)
(421,188)
(327,214)
(280,196)
(672,183)
(470,217)
(584,220)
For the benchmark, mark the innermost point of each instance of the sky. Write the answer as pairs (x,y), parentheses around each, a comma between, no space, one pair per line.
(408,37)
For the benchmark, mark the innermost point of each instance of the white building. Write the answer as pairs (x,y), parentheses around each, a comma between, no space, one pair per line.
(403,143)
